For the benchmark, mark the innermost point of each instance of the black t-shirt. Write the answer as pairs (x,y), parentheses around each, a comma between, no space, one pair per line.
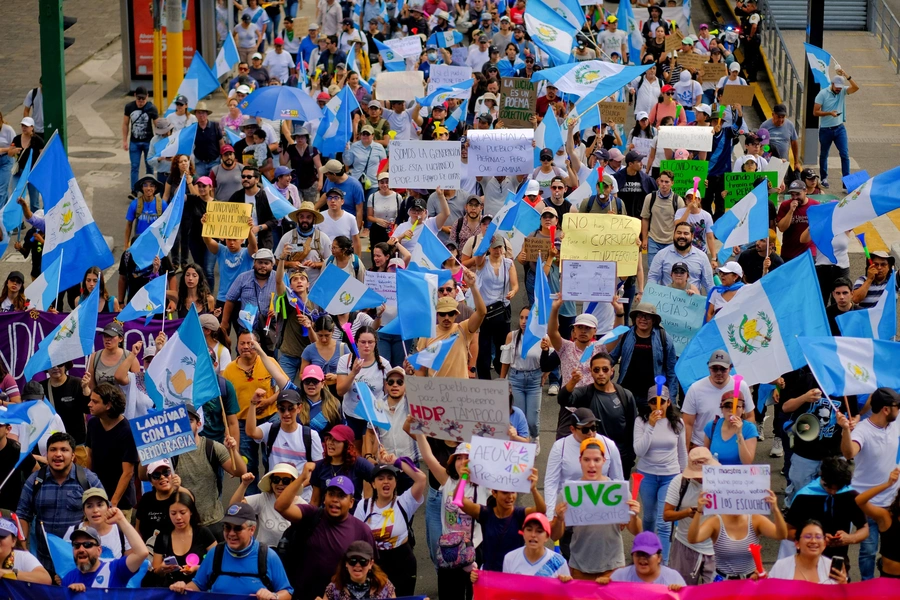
(752,264)
(797,383)
(37,144)
(639,376)
(71,406)
(632,194)
(153,515)
(303,165)
(833,311)
(109,449)
(9,456)
(836,513)
(141,121)
(201,540)
(206,143)
(500,535)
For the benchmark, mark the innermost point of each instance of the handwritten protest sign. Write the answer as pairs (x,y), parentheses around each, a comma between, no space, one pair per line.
(690,138)
(602,237)
(445,75)
(588,280)
(407,47)
(741,184)
(737,489)
(682,314)
(499,152)
(691,61)
(614,112)
(455,409)
(163,434)
(425,164)
(501,464)
(596,502)
(643,146)
(301,26)
(713,72)
(737,94)
(685,171)
(385,284)
(517,102)
(399,85)
(536,246)
(459,54)
(673,42)
(227,220)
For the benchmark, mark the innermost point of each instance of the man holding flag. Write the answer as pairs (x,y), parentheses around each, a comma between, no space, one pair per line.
(831,109)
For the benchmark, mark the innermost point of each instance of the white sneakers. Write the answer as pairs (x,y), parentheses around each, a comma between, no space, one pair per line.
(777,449)
(553,390)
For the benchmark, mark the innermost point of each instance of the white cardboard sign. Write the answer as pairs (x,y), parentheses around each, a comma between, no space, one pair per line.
(689,138)
(500,152)
(425,164)
(596,502)
(589,280)
(737,489)
(501,464)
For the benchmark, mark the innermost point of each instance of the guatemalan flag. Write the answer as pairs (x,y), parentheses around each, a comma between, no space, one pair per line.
(68,222)
(336,127)
(433,355)
(72,339)
(845,366)
(878,322)
(629,23)
(228,57)
(570,10)
(547,135)
(199,82)
(505,219)
(339,293)
(373,410)
(181,142)
(599,344)
(820,64)
(586,121)
(43,291)
(280,206)
(392,61)
(536,326)
(415,314)
(759,327)
(430,252)
(159,238)
(550,32)
(148,301)
(183,371)
(12,214)
(444,93)
(587,188)
(595,78)
(445,39)
(746,222)
(36,417)
(457,116)
(527,221)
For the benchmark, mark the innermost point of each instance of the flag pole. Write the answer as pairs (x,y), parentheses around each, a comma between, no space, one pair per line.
(7,477)
(58,285)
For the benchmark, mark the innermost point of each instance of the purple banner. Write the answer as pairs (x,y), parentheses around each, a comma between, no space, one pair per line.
(21,332)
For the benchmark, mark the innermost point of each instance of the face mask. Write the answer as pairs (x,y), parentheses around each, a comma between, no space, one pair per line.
(432,56)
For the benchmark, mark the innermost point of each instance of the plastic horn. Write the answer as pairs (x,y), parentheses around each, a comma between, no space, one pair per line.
(636,479)
(460,490)
(660,382)
(738,379)
(756,551)
(696,185)
(552,234)
(349,331)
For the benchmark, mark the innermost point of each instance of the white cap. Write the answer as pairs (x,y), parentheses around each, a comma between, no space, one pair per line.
(735,66)
(163,462)
(533,188)
(243,89)
(27,121)
(733,268)
(641,114)
(586,319)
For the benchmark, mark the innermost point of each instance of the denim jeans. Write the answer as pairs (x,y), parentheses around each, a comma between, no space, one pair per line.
(526,390)
(290,8)
(249,449)
(652,248)
(433,526)
(802,471)
(653,497)
(390,347)
(6,165)
(289,364)
(867,550)
(203,167)
(837,136)
(135,149)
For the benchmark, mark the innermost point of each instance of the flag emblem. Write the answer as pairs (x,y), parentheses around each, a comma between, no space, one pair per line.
(748,332)
(346,298)
(858,372)
(856,193)
(179,382)
(587,75)
(545,34)
(66,332)
(67,222)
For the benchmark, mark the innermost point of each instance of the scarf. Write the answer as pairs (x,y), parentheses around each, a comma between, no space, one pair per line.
(814,488)
(244,553)
(722,289)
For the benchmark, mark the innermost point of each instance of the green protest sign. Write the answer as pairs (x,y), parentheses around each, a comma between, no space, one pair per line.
(741,184)
(685,171)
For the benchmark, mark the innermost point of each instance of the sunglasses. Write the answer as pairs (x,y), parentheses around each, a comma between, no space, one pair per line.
(446,314)
(85,545)
(277,480)
(544,159)
(718,369)
(588,429)
(157,475)
(447,290)
(601,369)
(235,528)
(557,187)
(365,133)
(311,382)
(357,560)
(248,176)
(670,93)
(728,404)
(395,382)
(283,408)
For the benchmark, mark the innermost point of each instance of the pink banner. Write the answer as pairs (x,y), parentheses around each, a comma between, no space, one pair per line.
(501,586)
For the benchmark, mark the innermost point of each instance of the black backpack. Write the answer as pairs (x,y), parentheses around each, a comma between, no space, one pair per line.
(307,440)
(655,195)
(262,560)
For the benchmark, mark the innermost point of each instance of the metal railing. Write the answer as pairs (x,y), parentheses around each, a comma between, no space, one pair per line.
(788,81)
(884,26)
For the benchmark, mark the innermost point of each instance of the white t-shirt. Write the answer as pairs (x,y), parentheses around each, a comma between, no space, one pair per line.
(703,399)
(371,376)
(691,495)
(403,124)
(549,565)
(876,459)
(289,448)
(271,524)
(412,244)
(786,567)
(181,121)
(279,65)
(223,356)
(251,200)
(387,523)
(25,561)
(345,225)
(111,541)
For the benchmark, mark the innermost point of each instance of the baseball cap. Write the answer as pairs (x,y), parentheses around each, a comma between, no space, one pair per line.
(28,121)
(418,204)
(238,514)
(279,41)
(140,92)
(838,82)
(313,372)
(114,329)
(342,433)
(446,305)
(719,358)
(367,129)
(180,99)
(633,156)
(584,416)
(796,185)
(33,390)
(374,104)
(80,531)
(884,397)
(532,188)
(334,192)
(586,319)
(616,155)
(546,154)
(347,21)
(641,115)
(592,441)
(682,266)
(16,276)
(538,517)
(256,56)
(282,170)
(385,469)
(681,154)
(697,458)
(602,154)
(94,492)
(497,241)
(192,411)
(243,89)
(158,464)
(245,17)
(323,96)
(549,210)
(734,67)
(612,19)
(288,396)
(808,174)
(313,25)
(341,482)
(333,166)
(779,109)
(704,108)
(383,175)
(733,268)
(264,254)
(646,542)
(205,181)
(226,149)
(667,88)
(360,549)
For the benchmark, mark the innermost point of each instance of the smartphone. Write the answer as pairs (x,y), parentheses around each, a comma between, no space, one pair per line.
(837,563)
(171,561)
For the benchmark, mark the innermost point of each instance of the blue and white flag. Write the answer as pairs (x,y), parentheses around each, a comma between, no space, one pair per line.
(444,93)
(594,79)
(878,322)
(303,76)
(338,293)
(68,222)
(846,366)
(446,39)
(183,371)
(547,135)
(280,205)
(505,219)
(416,313)
(336,128)
(12,214)
(759,327)
(227,57)
(878,196)
(820,64)
(159,239)
(232,137)
(570,10)
(148,301)
(746,222)
(392,60)
(60,553)
(587,188)
(247,316)
(536,326)
(528,220)
(373,410)
(42,292)
(180,142)
(199,82)
(433,356)
(630,24)
(586,121)
(600,344)
(550,32)
(36,416)
(457,116)
(430,252)
(72,339)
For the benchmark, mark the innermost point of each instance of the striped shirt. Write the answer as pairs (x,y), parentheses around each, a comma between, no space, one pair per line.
(875,290)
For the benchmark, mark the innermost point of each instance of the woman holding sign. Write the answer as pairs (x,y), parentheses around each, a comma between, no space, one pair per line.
(596,550)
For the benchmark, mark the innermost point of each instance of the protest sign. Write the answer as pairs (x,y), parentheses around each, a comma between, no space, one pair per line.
(673,42)
(536,246)
(227,220)
(517,101)
(681,313)
(163,434)
(459,54)
(301,26)
(454,409)
(447,75)
(691,61)
(690,138)
(501,464)
(780,166)
(602,237)
(407,47)
(713,72)
(741,184)
(685,171)
(385,284)
(596,502)
(399,85)
(737,94)
(643,146)
(614,112)
(499,152)
(737,489)
(425,164)
(588,280)
(589,2)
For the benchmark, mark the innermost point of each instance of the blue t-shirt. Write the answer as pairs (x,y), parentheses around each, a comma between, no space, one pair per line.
(147,216)
(311,354)
(727,451)
(501,536)
(111,574)
(247,584)
(353,193)
(518,420)
(829,101)
(230,266)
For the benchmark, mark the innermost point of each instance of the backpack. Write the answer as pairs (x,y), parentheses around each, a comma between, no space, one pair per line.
(80,475)
(262,560)
(140,206)
(682,491)
(655,195)
(410,536)
(619,206)
(356,264)
(211,458)
(307,439)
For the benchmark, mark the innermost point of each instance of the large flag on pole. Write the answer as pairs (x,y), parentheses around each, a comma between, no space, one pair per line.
(594,78)
(820,64)
(181,142)
(550,32)
(629,23)
(536,327)
(148,301)
(227,58)
(12,213)
(433,355)
(159,238)
(416,312)
(878,322)
(72,339)
(570,10)
(199,82)
(444,93)
(338,293)
(430,252)
(336,128)
(845,366)
(43,291)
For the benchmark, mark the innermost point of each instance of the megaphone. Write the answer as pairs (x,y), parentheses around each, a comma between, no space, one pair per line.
(806,427)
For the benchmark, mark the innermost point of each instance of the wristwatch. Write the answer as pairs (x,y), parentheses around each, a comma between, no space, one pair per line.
(471,369)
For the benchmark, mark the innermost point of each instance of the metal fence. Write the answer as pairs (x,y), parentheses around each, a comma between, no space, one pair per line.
(884,26)
(788,81)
